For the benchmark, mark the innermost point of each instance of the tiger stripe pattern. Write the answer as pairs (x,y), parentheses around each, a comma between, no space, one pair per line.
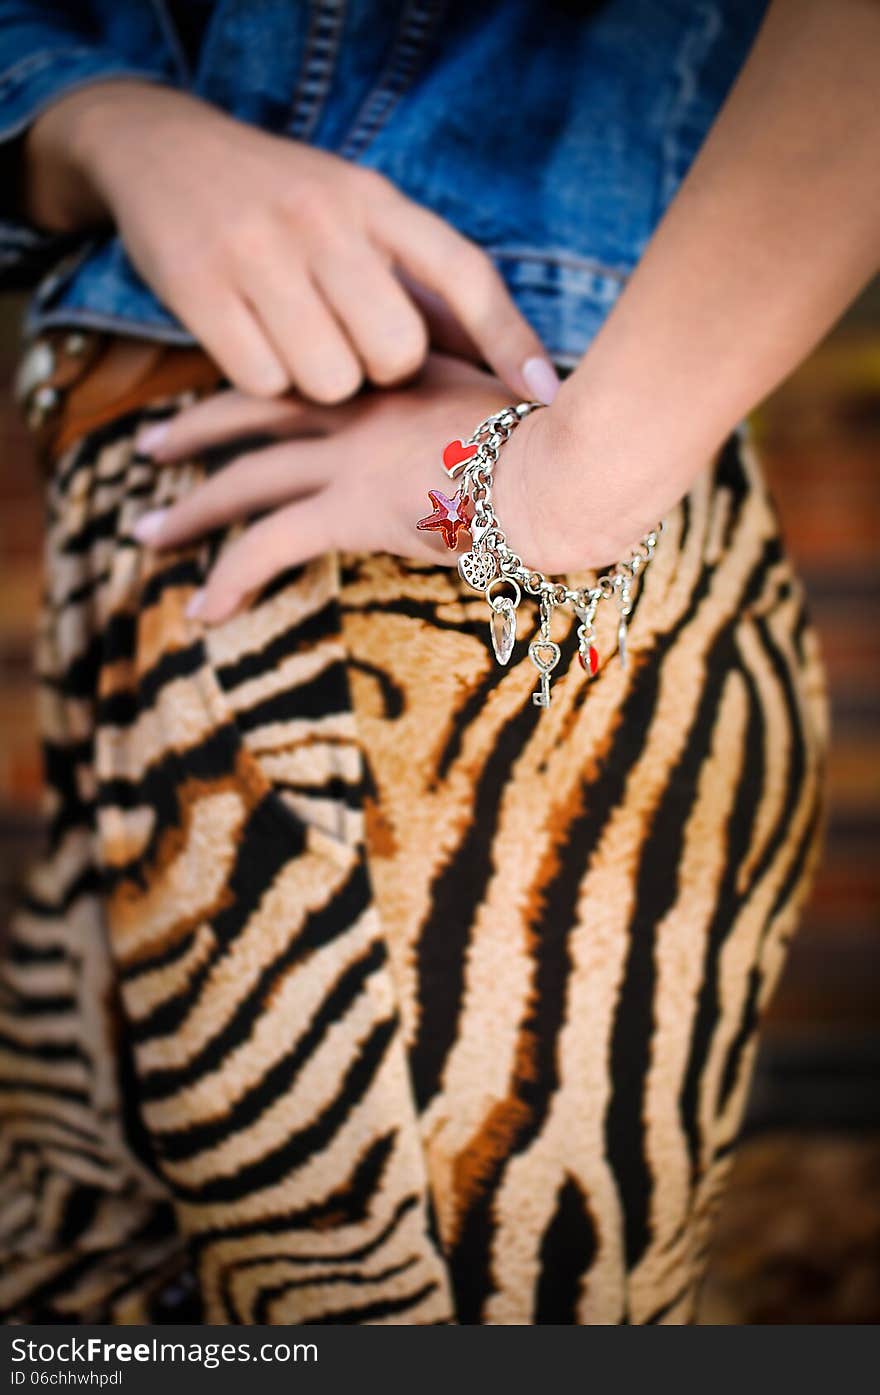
(355,988)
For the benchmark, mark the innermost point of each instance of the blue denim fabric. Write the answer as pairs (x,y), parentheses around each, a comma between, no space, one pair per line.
(552,133)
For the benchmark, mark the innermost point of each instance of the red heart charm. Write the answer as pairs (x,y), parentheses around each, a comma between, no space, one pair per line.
(590,661)
(455,454)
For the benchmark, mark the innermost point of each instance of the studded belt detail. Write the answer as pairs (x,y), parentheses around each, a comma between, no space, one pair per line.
(71,383)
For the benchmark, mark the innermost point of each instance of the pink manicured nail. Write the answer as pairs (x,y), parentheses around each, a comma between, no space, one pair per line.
(149,526)
(194,605)
(541,379)
(149,439)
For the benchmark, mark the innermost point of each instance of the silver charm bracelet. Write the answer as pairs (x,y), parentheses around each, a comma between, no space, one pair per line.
(495,569)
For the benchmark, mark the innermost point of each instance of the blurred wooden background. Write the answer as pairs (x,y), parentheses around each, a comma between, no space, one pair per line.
(799,1240)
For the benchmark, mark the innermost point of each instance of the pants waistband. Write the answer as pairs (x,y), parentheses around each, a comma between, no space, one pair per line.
(71,383)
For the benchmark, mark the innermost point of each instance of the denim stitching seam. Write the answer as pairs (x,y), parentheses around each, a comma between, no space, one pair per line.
(318,67)
(416,28)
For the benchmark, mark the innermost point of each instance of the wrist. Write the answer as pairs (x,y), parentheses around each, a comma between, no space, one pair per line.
(63,153)
(106,126)
(635,452)
(589,484)
(79,154)
(504,566)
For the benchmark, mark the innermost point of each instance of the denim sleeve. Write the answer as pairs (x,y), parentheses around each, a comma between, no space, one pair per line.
(47,50)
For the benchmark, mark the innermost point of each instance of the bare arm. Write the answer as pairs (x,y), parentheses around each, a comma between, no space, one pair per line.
(772,235)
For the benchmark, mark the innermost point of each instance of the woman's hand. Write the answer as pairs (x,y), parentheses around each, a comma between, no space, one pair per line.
(356,477)
(289,265)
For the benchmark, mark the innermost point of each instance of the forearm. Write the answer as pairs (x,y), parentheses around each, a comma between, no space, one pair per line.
(773,233)
(53,55)
(60,185)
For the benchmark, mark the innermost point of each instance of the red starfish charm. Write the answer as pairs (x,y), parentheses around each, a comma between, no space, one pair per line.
(448,518)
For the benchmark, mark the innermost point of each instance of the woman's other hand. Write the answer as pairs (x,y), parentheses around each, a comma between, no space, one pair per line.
(355,477)
(280,258)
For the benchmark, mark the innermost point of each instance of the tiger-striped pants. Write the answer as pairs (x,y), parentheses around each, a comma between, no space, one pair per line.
(354,987)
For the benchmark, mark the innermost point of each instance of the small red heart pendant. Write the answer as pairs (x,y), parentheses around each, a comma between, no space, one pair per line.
(455,454)
(590,660)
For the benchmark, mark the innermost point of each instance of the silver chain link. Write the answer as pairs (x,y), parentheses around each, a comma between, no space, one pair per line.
(489,437)
(492,563)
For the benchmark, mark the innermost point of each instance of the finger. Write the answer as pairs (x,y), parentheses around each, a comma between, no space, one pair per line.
(321,362)
(381,321)
(256,481)
(227,329)
(445,332)
(287,538)
(451,266)
(232,415)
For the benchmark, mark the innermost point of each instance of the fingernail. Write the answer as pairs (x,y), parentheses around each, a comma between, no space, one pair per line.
(195,605)
(149,525)
(541,379)
(148,440)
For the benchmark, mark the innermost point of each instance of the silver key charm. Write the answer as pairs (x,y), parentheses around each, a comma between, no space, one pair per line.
(545,655)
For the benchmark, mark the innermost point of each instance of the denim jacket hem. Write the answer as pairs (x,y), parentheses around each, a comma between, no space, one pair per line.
(560,293)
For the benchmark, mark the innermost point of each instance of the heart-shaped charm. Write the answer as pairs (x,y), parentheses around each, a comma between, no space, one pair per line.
(478,568)
(544,654)
(455,455)
(588,656)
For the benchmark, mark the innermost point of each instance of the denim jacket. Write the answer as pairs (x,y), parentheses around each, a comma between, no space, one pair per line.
(554,133)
